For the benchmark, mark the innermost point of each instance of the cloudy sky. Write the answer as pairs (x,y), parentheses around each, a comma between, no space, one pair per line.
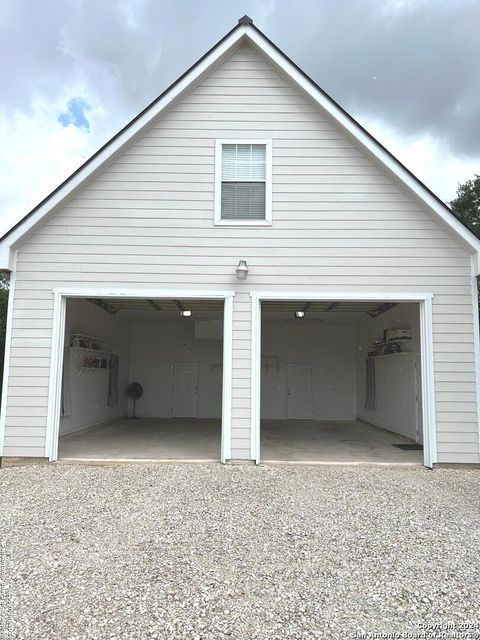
(74,71)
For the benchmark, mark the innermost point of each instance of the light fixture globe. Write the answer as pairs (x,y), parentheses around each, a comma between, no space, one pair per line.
(242,270)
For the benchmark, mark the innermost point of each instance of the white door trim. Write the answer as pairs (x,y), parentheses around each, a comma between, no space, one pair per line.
(55,381)
(58,338)
(226,452)
(426,350)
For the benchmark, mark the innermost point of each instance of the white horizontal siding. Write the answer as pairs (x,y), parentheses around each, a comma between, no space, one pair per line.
(339,223)
(241,365)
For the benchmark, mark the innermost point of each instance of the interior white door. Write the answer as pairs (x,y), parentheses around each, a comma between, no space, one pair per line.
(299,391)
(185,389)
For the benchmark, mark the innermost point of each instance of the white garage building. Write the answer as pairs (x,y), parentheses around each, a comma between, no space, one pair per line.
(277,285)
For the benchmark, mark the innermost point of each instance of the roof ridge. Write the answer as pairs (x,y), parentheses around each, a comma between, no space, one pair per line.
(245,20)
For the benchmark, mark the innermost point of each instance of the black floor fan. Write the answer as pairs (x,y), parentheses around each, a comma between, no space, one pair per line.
(134,391)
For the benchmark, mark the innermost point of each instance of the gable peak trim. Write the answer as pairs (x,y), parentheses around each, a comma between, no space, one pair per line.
(245,20)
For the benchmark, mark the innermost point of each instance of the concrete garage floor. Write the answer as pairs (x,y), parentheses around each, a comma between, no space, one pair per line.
(198,439)
(312,441)
(147,439)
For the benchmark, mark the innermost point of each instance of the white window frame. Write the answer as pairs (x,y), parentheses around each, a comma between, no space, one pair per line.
(267,222)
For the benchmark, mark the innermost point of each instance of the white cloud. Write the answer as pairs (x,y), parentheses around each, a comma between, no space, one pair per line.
(41,154)
(264,9)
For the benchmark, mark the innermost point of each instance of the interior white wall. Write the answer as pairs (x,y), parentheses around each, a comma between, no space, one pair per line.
(396,390)
(331,351)
(89,390)
(155,347)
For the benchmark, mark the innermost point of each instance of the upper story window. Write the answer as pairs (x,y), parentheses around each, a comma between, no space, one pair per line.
(243,190)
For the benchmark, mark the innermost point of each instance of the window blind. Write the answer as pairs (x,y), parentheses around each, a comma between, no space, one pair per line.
(243,181)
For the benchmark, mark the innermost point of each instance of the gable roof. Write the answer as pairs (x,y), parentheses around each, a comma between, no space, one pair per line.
(244,32)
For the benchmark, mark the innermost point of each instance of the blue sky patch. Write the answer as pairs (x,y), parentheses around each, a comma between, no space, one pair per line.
(75,114)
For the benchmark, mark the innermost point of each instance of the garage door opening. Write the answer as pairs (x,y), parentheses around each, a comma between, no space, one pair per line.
(341,382)
(142,379)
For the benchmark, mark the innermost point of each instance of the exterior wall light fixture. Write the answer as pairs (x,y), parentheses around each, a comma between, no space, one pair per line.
(242,270)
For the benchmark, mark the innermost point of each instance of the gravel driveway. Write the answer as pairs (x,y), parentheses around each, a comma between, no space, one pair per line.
(206,551)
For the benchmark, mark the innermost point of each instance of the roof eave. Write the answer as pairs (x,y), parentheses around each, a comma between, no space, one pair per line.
(245,29)
(367,141)
(87,171)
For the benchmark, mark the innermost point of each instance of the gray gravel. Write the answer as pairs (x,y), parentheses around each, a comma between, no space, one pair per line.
(211,552)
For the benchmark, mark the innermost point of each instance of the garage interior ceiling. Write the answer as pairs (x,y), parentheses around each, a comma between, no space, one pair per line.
(172,307)
(162,306)
(373,309)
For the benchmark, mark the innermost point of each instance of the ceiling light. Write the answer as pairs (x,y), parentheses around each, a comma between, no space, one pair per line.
(186,313)
(299,314)
(242,270)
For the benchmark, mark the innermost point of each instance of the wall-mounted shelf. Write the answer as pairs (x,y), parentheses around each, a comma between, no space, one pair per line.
(399,353)
(91,371)
(99,353)
(86,341)
(384,344)
(90,353)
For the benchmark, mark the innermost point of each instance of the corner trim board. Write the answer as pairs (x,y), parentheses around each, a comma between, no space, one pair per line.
(6,361)
(476,340)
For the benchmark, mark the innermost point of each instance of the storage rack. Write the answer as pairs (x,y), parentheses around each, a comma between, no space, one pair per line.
(98,352)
